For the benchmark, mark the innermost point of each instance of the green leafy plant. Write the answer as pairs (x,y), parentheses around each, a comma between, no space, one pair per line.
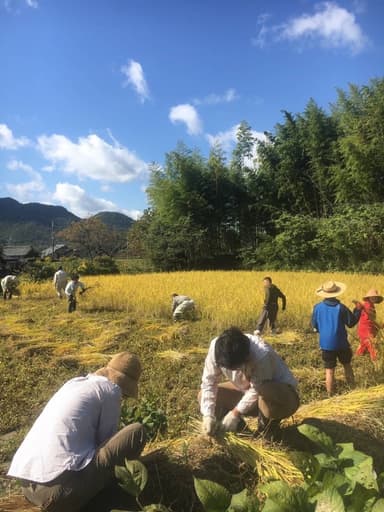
(337,479)
(216,498)
(148,414)
(133,477)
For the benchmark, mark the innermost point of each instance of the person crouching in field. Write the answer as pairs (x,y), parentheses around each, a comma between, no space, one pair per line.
(60,279)
(183,307)
(259,383)
(71,451)
(9,286)
(329,319)
(367,328)
(70,292)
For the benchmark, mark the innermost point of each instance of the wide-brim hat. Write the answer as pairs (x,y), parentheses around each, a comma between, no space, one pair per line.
(373,294)
(331,289)
(124,369)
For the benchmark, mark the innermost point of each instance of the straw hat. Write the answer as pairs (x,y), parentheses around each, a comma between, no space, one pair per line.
(331,289)
(373,294)
(124,369)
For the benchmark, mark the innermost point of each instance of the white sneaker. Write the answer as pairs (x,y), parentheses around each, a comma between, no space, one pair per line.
(257,332)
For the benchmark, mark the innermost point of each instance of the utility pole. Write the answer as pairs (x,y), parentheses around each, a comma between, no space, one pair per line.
(53,239)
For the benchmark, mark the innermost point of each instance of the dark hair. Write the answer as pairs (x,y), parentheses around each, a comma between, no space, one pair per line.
(267,278)
(74,277)
(231,348)
(60,268)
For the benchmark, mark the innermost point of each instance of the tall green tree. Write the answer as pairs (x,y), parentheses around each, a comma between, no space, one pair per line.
(359,172)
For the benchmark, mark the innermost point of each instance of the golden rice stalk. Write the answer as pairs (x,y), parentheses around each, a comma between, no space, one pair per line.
(270,463)
(356,401)
(173,355)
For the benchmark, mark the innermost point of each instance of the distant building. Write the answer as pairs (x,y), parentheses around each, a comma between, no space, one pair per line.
(15,256)
(56,252)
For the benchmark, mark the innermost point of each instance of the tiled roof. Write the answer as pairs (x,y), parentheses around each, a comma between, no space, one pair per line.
(17,251)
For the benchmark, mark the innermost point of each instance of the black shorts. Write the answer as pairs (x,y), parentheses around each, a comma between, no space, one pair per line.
(330,357)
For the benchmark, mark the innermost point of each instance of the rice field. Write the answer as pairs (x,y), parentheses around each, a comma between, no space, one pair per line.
(41,346)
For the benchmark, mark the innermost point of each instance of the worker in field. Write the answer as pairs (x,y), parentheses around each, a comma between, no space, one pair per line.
(60,279)
(367,328)
(259,383)
(330,319)
(183,307)
(71,451)
(9,286)
(270,307)
(71,290)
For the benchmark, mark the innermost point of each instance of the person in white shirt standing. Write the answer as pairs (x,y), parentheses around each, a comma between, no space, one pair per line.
(70,453)
(9,286)
(259,384)
(60,279)
(70,292)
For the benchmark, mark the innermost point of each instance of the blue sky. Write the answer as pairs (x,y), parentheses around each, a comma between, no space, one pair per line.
(91,92)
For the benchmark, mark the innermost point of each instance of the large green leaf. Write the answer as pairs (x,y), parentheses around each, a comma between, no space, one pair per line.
(213,496)
(318,437)
(132,477)
(244,501)
(307,464)
(339,481)
(329,501)
(361,500)
(378,506)
(347,451)
(363,473)
(281,497)
(326,461)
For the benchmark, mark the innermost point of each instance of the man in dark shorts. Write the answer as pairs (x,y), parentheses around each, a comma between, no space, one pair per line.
(329,319)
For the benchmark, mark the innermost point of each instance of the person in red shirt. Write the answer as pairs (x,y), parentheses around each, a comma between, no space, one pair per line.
(367,327)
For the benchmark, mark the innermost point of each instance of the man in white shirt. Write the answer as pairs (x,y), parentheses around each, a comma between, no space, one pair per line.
(259,384)
(70,453)
(70,291)
(182,307)
(60,279)
(9,286)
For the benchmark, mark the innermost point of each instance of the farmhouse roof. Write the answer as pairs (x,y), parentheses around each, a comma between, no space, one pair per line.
(18,251)
(48,251)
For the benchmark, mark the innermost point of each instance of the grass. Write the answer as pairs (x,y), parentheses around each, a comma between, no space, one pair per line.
(41,346)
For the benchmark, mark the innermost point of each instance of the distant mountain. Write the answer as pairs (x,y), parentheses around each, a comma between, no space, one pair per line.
(31,223)
(12,211)
(115,220)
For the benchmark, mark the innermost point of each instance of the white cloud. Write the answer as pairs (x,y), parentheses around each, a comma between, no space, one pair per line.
(91,157)
(32,3)
(228,140)
(260,39)
(331,25)
(29,190)
(8,141)
(134,74)
(214,99)
(187,114)
(77,201)
(334,26)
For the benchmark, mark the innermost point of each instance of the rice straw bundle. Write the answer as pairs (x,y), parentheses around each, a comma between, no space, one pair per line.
(270,463)
(356,401)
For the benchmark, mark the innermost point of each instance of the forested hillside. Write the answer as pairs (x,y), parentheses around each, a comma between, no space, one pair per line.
(311,198)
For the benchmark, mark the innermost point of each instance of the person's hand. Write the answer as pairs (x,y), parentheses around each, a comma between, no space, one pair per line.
(209,425)
(230,422)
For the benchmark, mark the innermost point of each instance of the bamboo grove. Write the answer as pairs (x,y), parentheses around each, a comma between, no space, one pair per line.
(308,197)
